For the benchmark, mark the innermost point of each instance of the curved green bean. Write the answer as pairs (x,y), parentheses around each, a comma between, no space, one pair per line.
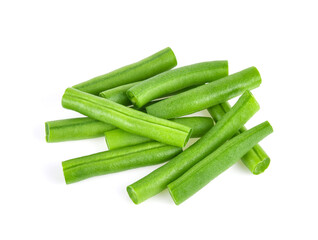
(217,162)
(180,78)
(256,160)
(117,160)
(128,119)
(118,138)
(75,129)
(146,68)
(158,180)
(207,95)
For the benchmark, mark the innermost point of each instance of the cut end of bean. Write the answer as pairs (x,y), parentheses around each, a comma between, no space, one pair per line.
(47,132)
(132,98)
(172,195)
(173,57)
(132,194)
(107,143)
(188,138)
(262,166)
(102,94)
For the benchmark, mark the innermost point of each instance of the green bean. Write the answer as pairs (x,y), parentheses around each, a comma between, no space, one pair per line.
(128,119)
(118,94)
(146,68)
(256,160)
(78,128)
(207,95)
(180,78)
(158,180)
(75,129)
(118,138)
(117,160)
(217,162)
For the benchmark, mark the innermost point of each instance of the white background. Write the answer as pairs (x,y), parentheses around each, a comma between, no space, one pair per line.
(47,46)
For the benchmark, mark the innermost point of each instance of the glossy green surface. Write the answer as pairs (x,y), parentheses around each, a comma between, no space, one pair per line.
(217,162)
(118,94)
(146,154)
(256,160)
(176,79)
(75,129)
(118,138)
(208,95)
(158,180)
(125,118)
(146,68)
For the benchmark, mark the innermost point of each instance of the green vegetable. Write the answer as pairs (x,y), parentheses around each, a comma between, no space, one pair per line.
(180,78)
(117,160)
(146,68)
(118,138)
(207,95)
(158,180)
(217,162)
(125,118)
(256,160)
(75,129)
(118,94)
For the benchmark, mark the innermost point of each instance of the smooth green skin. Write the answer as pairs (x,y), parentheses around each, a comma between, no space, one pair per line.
(256,160)
(207,95)
(118,138)
(217,162)
(118,94)
(146,68)
(75,129)
(117,160)
(125,118)
(158,180)
(177,79)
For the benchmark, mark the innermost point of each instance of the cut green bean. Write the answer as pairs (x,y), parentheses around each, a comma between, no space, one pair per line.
(118,138)
(158,180)
(207,95)
(117,160)
(146,68)
(125,118)
(256,160)
(118,94)
(75,129)
(180,78)
(217,162)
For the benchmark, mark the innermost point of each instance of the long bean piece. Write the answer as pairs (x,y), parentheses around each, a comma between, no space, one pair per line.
(207,95)
(117,160)
(171,81)
(158,180)
(118,94)
(256,160)
(217,162)
(125,118)
(146,68)
(118,138)
(75,129)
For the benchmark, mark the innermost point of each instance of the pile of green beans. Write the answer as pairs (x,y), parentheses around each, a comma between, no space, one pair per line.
(208,95)
(256,160)
(140,110)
